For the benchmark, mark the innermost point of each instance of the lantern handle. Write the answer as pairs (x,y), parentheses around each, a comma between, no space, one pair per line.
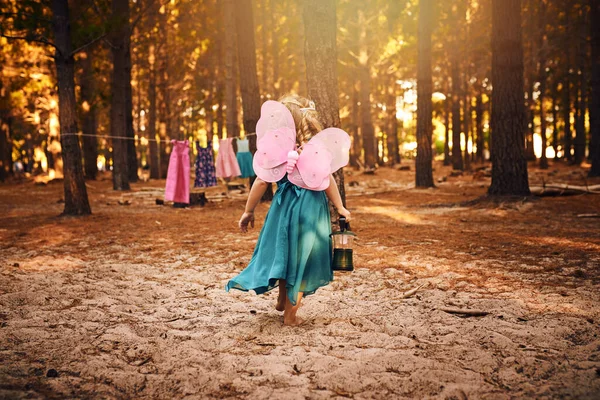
(344,226)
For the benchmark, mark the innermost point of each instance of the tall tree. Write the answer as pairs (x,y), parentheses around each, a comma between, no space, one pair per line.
(364,75)
(89,120)
(320,52)
(458,15)
(509,168)
(231,116)
(595,89)
(581,96)
(121,80)
(424,173)
(542,77)
(76,198)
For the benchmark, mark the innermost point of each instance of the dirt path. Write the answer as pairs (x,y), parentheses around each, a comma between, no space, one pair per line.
(129,302)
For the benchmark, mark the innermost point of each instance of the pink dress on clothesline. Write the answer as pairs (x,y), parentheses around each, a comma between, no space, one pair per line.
(178,175)
(227,165)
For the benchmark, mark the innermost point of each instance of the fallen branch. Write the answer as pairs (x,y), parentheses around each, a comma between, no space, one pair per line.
(560,189)
(588,215)
(409,293)
(462,311)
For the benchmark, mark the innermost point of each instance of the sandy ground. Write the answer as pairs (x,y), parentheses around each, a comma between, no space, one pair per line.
(129,302)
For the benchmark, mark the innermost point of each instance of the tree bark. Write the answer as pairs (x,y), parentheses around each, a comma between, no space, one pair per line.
(582,54)
(76,198)
(88,100)
(392,136)
(555,119)
(364,74)
(120,80)
(4,171)
(467,125)
(248,76)
(595,89)
(424,172)
(320,53)
(509,168)
(230,71)
(542,77)
(457,160)
(479,128)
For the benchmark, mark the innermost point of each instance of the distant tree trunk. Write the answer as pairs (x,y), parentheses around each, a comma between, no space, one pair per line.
(424,173)
(320,53)
(530,75)
(76,198)
(364,76)
(392,137)
(582,55)
(467,127)
(165,116)
(509,168)
(480,157)
(154,145)
(566,89)
(132,163)
(244,22)
(595,89)
(354,129)
(542,77)
(264,40)
(457,20)
(88,100)
(120,80)
(447,159)
(275,49)
(230,71)
(4,171)
(555,119)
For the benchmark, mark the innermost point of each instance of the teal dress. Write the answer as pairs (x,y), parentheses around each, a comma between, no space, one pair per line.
(294,244)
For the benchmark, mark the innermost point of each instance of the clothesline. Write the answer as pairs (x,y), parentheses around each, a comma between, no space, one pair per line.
(133,138)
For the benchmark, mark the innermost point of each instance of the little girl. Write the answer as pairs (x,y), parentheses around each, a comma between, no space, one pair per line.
(294,247)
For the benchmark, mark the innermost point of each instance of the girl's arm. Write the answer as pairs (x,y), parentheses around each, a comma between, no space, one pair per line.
(256,192)
(333,194)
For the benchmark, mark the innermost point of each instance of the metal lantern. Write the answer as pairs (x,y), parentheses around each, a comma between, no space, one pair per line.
(342,247)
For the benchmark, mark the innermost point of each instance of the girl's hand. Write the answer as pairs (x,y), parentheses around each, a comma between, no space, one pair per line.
(247,218)
(345,213)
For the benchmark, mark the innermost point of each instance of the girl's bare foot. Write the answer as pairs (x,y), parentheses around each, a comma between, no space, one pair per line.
(293,322)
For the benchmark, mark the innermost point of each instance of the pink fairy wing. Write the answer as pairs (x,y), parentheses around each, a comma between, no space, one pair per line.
(274,115)
(276,136)
(338,143)
(324,154)
(313,167)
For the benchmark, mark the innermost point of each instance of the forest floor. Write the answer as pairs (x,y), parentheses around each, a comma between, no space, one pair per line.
(129,302)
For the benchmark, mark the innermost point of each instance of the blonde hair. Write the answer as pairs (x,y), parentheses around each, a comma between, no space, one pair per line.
(306,120)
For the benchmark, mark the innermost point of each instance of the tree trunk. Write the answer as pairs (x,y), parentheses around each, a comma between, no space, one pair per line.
(320,53)
(132,163)
(88,100)
(582,54)
(230,71)
(542,77)
(154,145)
(392,136)
(248,76)
(354,130)
(480,157)
(509,167)
(595,89)
(364,75)
(4,171)
(447,159)
(555,119)
(120,80)
(457,161)
(76,198)
(467,126)
(264,40)
(424,172)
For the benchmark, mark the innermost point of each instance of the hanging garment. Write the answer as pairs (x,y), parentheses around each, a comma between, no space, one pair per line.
(244,158)
(178,174)
(227,165)
(205,166)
